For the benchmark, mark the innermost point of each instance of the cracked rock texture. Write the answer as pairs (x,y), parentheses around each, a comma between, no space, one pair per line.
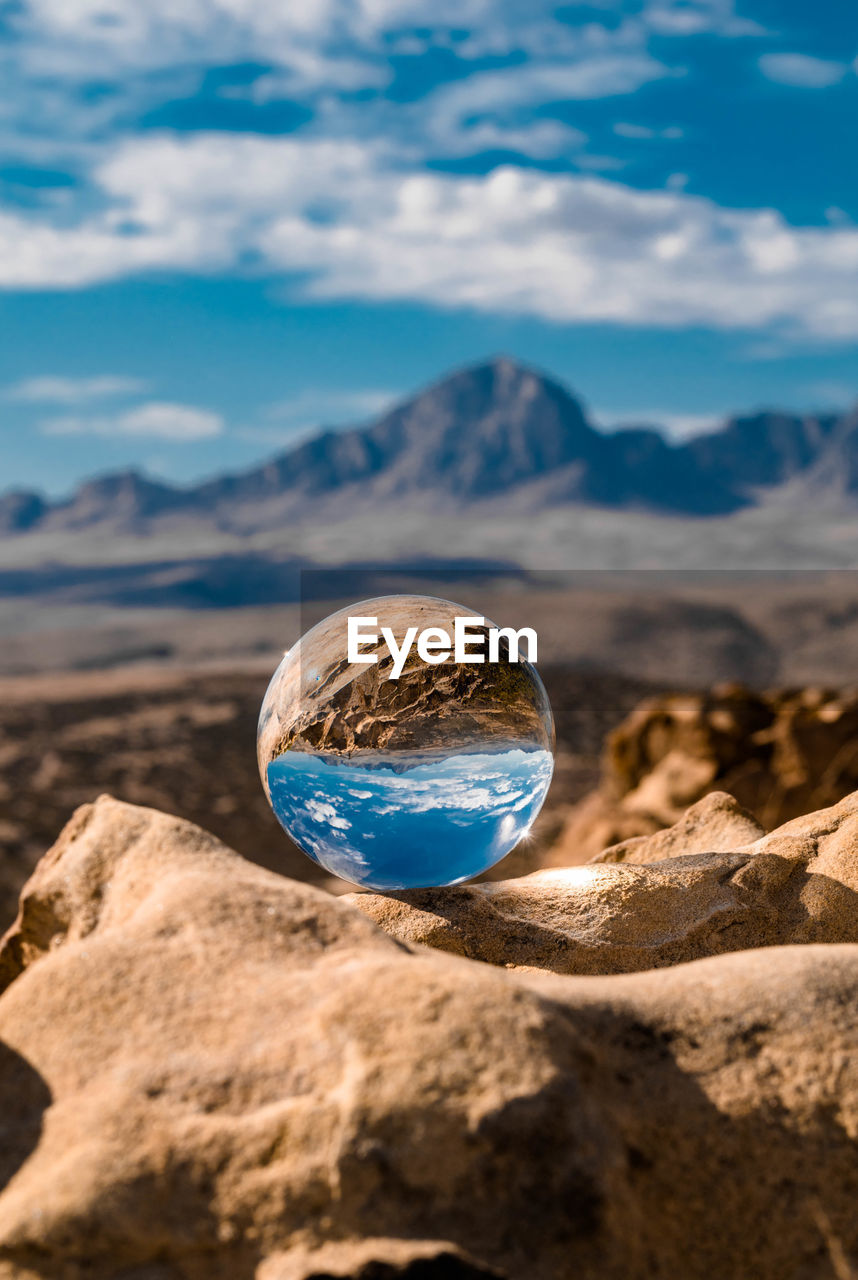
(209,1071)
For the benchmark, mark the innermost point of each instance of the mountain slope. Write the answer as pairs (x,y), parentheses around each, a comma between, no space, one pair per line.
(763,449)
(124,498)
(833,477)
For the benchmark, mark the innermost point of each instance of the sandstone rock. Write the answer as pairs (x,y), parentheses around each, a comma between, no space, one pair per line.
(176,740)
(716,824)
(210,1071)
(799,884)
(779,754)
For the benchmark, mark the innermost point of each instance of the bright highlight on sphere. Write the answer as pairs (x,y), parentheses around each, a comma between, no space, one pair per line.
(426,779)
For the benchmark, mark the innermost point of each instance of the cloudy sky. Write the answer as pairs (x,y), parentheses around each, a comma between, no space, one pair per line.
(225,222)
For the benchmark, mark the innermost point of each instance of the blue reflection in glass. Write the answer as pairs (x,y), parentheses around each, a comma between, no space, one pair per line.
(438,822)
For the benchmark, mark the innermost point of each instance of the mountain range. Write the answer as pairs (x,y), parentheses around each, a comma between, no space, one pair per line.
(496,432)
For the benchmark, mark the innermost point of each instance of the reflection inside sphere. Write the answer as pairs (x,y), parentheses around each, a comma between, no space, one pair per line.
(429,779)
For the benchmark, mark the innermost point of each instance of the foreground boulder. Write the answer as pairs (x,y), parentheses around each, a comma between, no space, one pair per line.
(208,1071)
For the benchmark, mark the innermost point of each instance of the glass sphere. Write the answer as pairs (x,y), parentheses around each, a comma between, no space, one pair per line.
(427,779)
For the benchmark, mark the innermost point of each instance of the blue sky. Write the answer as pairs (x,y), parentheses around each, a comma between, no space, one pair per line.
(224,223)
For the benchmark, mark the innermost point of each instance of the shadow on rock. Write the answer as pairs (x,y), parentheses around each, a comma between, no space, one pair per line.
(24,1098)
(445,1267)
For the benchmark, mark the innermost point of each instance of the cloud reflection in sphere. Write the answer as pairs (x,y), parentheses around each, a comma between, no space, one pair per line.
(429,779)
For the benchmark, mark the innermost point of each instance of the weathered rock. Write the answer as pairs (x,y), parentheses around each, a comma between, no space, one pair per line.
(716,824)
(797,885)
(210,1071)
(179,741)
(780,754)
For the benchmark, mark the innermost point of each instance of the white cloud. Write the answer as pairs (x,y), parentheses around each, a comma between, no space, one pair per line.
(49,389)
(178,423)
(832,393)
(600,75)
(491,110)
(838,217)
(642,132)
(65,34)
(171,421)
(677,426)
(697,17)
(303,414)
(539,139)
(801,71)
(167,30)
(680,426)
(560,246)
(325,47)
(345,208)
(318,53)
(331,406)
(37,254)
(325,44)
(638,132)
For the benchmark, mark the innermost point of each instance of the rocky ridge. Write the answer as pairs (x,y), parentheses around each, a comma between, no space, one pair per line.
(495,430)
(219,1072)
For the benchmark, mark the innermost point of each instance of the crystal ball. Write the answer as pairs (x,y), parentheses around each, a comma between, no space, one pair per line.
(401,781)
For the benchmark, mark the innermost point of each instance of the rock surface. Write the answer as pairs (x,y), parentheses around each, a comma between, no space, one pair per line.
(208,1070)
(655,901)
(715,824)
(780,754)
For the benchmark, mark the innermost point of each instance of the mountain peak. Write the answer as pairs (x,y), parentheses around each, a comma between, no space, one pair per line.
(130,480)
(478,431)
(20,510)
(500,376)
(118,498)
(505,369)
